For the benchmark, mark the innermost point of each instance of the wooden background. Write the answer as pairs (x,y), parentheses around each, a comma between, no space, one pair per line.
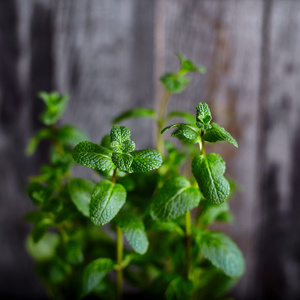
(108,55)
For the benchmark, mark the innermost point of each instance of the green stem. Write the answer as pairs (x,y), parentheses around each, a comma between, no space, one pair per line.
(188,243)
(113,179)
(119,261)
(202,144)
(160,122)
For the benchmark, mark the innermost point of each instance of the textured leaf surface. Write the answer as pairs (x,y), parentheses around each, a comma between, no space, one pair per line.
(122,161)
(94,273)
(208,171)
(203,114)
(218,134)
(135,113)
(174,199)
(119,134)
(134,231)
(71,135)
(107,200)
(174,83)
(222,252)
(80,191)
(184,132)
(93,156)
(145,160)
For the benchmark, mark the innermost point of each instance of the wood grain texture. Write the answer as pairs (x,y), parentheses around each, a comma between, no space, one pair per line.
(105,54)
(278,159)
(99,52)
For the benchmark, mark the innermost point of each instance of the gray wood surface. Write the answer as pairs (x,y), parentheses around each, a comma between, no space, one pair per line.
(108,54)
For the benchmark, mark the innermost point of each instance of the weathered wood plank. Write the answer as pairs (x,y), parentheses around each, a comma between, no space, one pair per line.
(278,168)
(101,53)
(225,36)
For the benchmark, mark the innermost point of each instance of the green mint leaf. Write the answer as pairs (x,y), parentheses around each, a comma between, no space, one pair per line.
(211,212)
(136,113)
(122,161)
(203,114)
(186,116)
(174,199)
(179,289)
(107,200)
(35,216)
(94,273)
(188,65)
(167,226)
(56,271)
(39,230)
(38,193)
(105,142)
(71,252)
(222,252)
(145,160)
(80,191)
(71,135)
(52,205)
(119,134)
(208,171)
(55,107)
(128,146)
(203,126)
(134,231)
(93,156)
(174,83)
(42,134)
(45,248)
(218,134)
(120,139)
(185,132)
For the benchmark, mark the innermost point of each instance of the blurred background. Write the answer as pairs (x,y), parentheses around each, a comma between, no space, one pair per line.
(108,56)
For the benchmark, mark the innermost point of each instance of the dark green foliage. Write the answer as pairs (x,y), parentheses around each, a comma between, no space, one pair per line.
(184,132)
(218,134)
(175,198)
(208,171)
(134,231)
(81,192)
(107,200)
(93,156)
(222,252)
(168,251)
(94,272)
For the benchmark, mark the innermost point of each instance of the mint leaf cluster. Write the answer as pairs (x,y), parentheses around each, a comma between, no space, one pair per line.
(145,215)
(119,155)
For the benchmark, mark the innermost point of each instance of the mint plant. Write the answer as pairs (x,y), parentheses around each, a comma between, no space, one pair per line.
(162,201)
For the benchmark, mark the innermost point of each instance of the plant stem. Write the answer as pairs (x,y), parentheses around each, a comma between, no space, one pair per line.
(202,145)
(188,242)
(160,122)
(113,179)
(119,261)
